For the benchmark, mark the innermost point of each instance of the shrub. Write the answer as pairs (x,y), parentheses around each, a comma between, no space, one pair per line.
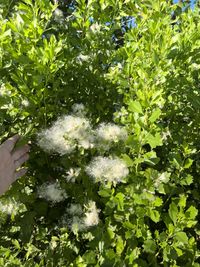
(108,94)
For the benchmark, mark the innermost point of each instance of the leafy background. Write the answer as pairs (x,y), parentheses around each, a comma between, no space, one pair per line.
(133,62)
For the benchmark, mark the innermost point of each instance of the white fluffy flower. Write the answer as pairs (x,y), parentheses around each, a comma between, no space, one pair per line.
(95,27)
(92,215)
(66,134)
(72,174)
(80,220)
(52,192)
(76,224)
(73,218)
(58,15)
(52,140)
(106,169)
(4,91)
(79,110)
(79,130)
(75,127)
(82,58)
(111,132)
(25,103)
(10,206)
(75,209)
(165,135)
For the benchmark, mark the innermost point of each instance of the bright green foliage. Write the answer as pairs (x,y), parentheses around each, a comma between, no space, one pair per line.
(132,62)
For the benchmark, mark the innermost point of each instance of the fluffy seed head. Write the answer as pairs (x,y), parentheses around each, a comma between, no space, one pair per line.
(79,130)
(80,220)
(11,206)
(4,91)
(75,209)
(91,215)
(8,208)
(95,27)
(58,15)
(78,110)
(25,103)
(111,132)
(105,169)
(76,224)
(66,134)
(82,58)
(52,140)
(52,192)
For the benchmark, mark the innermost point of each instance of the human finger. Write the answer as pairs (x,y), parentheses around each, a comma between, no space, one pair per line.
(10,142)
(18,153)
(20,173)
(21,160)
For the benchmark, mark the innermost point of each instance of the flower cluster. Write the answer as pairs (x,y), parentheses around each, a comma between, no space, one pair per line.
(91,215)
(81,219)
(75,131)
(110,132)
(72,132)
(105,169)
(11,206)
(66,134)
(75,222)
(52,192)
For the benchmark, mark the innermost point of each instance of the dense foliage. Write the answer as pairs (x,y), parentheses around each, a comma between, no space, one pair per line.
(126,74)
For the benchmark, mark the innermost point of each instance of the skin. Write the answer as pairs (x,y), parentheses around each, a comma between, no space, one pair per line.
(10,160)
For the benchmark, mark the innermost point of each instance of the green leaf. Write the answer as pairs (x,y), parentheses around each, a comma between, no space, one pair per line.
(31,251)
(90,257)
(164,177)
(154,215)
(150,158)
(186,179)
(173,212)
(135,106)
(26,223)
(128,160)
(5,34)
(157,202)
(181,237)
(182,201)
(120,201)
(191,213)
(155,140)
(176,159)
(119,245)
(155,115)
(111,233)
(110,253)
(188,163)
(150,246)
(107,192)
(129,225)
(155,57)
(16,243)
